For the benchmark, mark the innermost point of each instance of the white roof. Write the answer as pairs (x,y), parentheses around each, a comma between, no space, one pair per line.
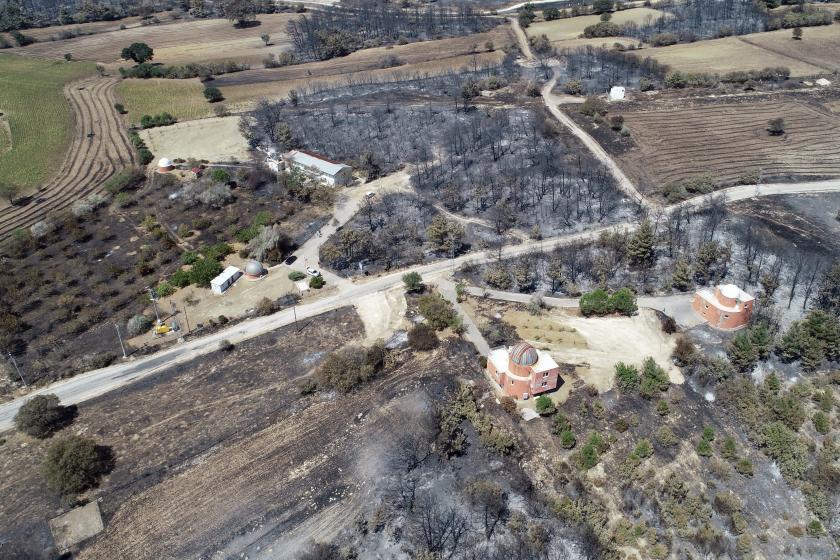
(617,92)
(165,162)
(322,165)
(227,274)
(499,357)
(823,82)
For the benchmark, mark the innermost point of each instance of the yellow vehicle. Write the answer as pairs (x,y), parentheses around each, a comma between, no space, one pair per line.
(162,329)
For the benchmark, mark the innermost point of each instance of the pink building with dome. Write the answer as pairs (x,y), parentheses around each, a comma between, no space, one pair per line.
(522,371)
(728,307)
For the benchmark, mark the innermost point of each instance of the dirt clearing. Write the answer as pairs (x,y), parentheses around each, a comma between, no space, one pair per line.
(382,314)
(593,345)
(215,139)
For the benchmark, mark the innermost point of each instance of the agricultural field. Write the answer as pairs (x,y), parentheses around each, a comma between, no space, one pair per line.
(38,116)
(178,42)
(730,139)
(184,99)
(54,32)
(559,31)
(215,139)
(817,53)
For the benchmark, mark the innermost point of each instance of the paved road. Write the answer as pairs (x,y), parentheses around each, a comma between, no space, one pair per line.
(98,382)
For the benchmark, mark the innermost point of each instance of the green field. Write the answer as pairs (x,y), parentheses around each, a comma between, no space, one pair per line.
(182,99)
(39,116)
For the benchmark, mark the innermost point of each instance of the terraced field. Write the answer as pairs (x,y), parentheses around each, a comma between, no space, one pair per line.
(729,140)
(99,148)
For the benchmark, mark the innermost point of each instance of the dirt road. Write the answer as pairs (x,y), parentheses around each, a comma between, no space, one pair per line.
(100,148)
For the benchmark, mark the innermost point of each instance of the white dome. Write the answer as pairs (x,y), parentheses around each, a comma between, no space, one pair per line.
(730,291)
(165,162)
(254,268)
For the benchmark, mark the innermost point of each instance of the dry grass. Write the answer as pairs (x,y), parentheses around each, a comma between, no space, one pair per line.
(817,53)
(181,98)
(179,42)
(53,32)
(561,30)
(729,139)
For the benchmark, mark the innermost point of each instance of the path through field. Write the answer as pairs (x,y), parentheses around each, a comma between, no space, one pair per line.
(90,160)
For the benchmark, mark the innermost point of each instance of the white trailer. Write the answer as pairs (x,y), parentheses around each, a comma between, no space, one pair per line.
(225,280)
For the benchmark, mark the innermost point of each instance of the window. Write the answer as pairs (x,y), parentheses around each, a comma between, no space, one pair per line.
(726,316)
(511,381)
(705,306)
(545,383)
(545,374)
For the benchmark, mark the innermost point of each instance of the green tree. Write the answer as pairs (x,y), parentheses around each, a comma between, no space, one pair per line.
(601,6)
(681,277)
(413,282)
(203,271)
(138,52)
(41,416)
(742,352)
(437,311)
(567,440)
(654,379)
(551,14)
(213,94)
(74,464)
(239,11)
(596,302)
(704,448)
(445,235)
(643,449)
(623,301)
(828,294)
(776,127)
(821,423)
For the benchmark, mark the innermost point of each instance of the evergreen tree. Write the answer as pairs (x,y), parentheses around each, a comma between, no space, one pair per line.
(640,250)
(742,352)
(681,277)
(828,296)
(555,274)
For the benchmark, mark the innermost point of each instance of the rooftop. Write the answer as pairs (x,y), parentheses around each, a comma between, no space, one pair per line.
(311,160)
(728,290)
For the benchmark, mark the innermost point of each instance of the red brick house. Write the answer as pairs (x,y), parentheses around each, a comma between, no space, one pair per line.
(727,307)
(522,371)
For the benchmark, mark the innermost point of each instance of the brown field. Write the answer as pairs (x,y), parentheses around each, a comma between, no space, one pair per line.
(180,42)
(817,53)
(730,139)
(52,32)
(241,89)
(223,453)
(561,30)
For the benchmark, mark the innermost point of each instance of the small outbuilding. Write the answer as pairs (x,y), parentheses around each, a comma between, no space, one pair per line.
(617,93)
(254,270)
(727,307)
(165,165)
(225,280)
(522,371)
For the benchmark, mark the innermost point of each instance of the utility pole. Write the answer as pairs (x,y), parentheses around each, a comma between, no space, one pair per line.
(153,297)
(294,312)
(18,370)
(117,326)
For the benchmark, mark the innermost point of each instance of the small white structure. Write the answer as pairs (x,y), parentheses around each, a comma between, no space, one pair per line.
(330,172)
(823,82)
(254,270)
(617,93)
(165,165)
(225,280)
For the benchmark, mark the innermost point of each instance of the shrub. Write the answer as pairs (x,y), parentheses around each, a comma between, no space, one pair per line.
(509,405)
(161,119)
(708,434)
(704,448)
(567,440)
(217,251)
(643,449)
(437,311)
(317,282)
(624,302)
(180,278)
(138,324)
(626,377)
(573,87)
(744,467)
(654,379)
(41,416)
(347,368)
(684,352)
(422,337)
(815,528)
(226,345)
(821,424)
(595,302)
(213,94)
(296,275)
(662,407)
(560,424)
(219,175)
(593,106)
(666,438)
(663,39)
(203,271)
(74,464)
(165,289)
(545,406)
(265,307)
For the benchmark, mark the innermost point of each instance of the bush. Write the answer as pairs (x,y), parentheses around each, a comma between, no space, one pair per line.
(296,275)
(165,289)
(815,528)
(662,407)
(180,278)
(41,416)
(545,406)
(643,449)
(437,311)
(161,119)
(595,302)
(347,368)
(567,440)
(704,448)
(624,302)
(413,282)
(593,106)
(317,282)
(654,379)
(138,325)
(220,175)
(560,424)
(744,467)
(265,307)
(821,424)
(74,464)
(226,345)
(203,271)
(626,377)
(422,337)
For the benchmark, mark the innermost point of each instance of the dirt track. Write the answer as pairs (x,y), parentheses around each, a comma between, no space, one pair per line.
(89,161)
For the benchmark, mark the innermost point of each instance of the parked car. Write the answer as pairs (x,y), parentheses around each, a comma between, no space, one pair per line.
(312,271)
(290,259)
(370,194)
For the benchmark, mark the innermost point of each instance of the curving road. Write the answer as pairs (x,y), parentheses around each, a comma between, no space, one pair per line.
(90,160)
(98,382)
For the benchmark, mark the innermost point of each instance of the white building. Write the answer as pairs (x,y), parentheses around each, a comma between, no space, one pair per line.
(225,280)
(330,172)
(617,93)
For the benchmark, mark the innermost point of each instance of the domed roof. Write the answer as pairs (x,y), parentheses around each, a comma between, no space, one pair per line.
(254,268)
(165,162)
(524,354)
(730,291)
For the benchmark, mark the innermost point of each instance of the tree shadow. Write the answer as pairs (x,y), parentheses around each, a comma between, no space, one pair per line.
(247,24)
(106,459)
